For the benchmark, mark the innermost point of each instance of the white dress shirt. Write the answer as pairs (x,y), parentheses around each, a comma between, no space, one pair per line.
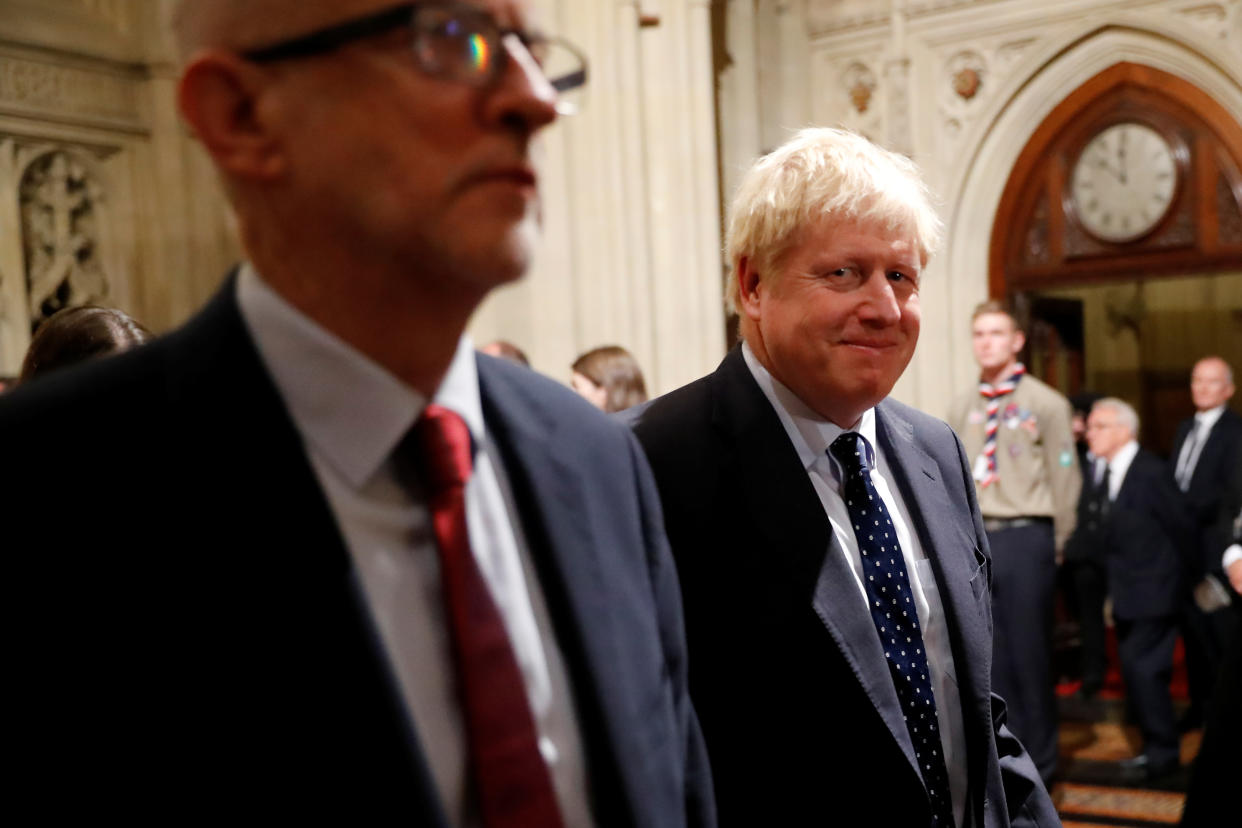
(1118,466)
(351,414)
(1192,447)
(811,436)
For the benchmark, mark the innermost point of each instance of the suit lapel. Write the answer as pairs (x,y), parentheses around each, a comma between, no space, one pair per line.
(1213,452)
(789,514)
(556,514)
(941,529)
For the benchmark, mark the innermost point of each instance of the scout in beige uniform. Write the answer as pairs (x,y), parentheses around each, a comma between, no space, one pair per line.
(1017,434)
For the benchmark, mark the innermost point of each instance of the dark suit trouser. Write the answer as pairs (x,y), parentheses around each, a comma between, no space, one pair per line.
(1023,579)
(1207,637)
(1145,646)
(1089,589)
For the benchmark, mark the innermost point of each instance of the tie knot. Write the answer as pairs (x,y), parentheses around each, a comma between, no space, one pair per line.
(853,452)
(442,441)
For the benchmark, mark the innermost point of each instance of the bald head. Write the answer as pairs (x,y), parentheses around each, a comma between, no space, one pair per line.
(1211,383)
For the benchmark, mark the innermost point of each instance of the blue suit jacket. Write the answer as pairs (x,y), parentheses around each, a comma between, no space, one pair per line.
(190,635)
(796,700)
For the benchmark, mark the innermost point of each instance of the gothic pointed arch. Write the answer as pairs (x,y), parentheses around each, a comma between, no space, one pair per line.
(1039,238)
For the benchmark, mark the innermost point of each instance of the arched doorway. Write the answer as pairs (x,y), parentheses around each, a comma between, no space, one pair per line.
(1119,234)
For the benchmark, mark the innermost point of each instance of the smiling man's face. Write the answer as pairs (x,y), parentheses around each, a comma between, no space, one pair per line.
(838,321)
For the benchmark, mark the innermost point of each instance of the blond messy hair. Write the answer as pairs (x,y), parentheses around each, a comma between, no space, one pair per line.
(825,173)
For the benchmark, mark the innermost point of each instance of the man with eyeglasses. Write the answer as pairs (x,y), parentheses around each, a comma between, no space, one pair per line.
(353,567)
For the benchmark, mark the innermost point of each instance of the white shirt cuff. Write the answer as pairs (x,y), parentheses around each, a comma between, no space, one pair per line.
(1232,554)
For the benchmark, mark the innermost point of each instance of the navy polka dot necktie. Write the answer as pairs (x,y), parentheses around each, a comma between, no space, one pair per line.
(896,620)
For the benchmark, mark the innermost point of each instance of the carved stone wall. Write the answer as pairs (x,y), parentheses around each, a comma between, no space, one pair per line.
(103,197)
(62,206)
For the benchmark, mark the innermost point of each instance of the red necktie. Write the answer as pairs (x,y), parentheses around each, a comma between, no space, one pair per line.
(512,781)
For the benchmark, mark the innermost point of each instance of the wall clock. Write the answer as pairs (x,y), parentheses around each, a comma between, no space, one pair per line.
(1123,182)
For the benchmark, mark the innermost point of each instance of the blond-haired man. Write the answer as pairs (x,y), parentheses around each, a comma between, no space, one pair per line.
(832,558)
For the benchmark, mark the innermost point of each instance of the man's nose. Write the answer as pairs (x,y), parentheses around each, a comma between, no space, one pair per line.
(523,90)
(879,299)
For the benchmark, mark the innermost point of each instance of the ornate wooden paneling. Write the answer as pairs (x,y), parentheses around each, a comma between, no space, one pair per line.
(1037,238)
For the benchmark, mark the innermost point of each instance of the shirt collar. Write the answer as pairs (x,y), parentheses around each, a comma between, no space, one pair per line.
(810,433)
(349,409)
(1206,419)
(1120,464)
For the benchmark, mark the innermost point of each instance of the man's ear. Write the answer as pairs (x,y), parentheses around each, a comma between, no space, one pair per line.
(218,97)
(1019,342)
(747,276)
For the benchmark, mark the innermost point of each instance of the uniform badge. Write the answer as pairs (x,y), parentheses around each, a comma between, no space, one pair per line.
(1012,414)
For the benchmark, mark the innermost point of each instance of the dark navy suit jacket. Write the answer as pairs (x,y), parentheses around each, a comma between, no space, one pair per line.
(1209,481)
(1149,540)
(188,634)
(796,700)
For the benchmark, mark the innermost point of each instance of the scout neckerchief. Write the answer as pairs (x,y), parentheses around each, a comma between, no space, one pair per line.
(993,394)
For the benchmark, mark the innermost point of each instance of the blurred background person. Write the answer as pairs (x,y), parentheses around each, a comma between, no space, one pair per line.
(1082,575)
(1145,535)
(75,335)
(1080,404)
(1203,456)
(1016,431)
(609,378)
(506,350)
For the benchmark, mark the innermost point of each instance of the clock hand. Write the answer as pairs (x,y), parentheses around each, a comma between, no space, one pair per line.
(1121,157)
(1103,164)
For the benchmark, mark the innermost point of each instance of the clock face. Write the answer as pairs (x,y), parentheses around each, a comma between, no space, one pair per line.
(1123,182)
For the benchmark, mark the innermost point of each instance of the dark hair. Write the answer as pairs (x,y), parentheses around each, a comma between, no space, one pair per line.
(612,368)
(75,335)
(1082,401)
(507,350)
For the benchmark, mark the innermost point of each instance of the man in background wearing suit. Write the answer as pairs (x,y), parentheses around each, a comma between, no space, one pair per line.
(1146,534)
(1203,452)
(832,557)
(310,556)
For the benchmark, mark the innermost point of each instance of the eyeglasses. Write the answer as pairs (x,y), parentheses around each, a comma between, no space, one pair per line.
(450,40)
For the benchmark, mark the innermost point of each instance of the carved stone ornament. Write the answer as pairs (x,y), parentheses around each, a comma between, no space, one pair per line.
(60,235)
(966,71)
(966,82)
(860,83)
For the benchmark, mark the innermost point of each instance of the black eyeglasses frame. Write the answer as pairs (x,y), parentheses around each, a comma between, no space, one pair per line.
(333,37)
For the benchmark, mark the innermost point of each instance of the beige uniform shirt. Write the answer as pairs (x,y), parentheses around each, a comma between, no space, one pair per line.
(1035,457)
